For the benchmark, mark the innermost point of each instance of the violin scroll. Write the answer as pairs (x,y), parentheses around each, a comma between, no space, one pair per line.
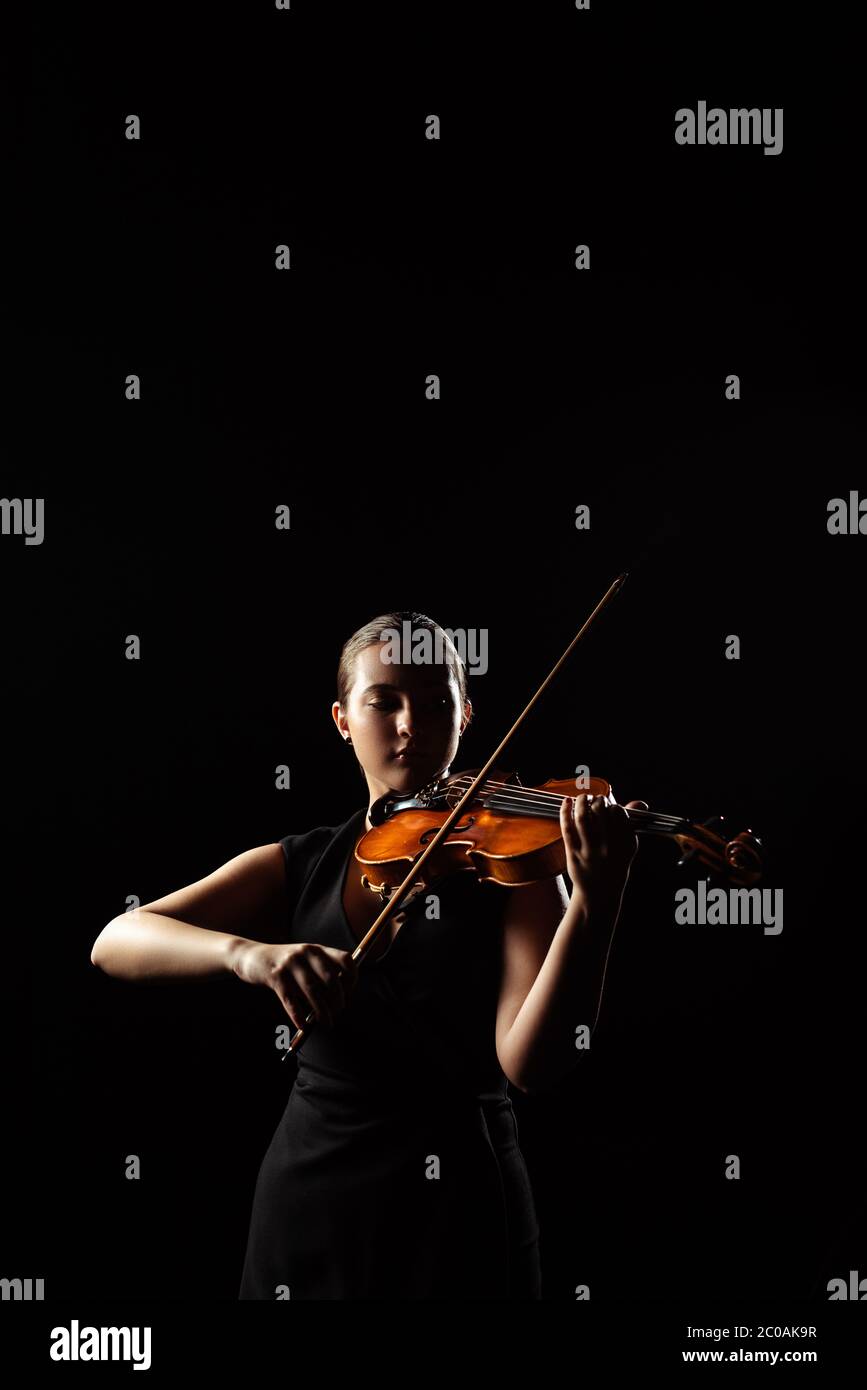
(738,859)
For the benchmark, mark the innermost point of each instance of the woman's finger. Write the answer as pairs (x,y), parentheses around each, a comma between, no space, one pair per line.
(586,821)
(292,1000)
(333,977)
(307,975)
(591,819)
(568,828)
(571,827)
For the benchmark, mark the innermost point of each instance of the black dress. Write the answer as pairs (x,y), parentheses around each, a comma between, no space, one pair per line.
(395,1170)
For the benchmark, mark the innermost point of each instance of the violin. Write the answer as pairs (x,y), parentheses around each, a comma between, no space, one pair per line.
(503,831)
(510,834)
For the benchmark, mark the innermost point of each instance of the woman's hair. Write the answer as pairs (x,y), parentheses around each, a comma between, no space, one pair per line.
(373,632)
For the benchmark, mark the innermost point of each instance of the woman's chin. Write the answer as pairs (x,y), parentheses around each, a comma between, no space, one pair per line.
(403,773)
(414,773)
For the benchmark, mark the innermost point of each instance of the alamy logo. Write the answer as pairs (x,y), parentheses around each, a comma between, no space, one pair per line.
(21,1290)
(736,127)
(847,521)
(838,1288)
(102,1344)
(715,907)
(422,647)
(16,514)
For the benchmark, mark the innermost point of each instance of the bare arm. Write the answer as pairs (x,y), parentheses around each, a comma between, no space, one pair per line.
(197,931)
(555,949)
(145,945)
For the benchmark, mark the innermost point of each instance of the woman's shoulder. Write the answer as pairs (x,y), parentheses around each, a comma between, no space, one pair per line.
(307,846)
(300,845)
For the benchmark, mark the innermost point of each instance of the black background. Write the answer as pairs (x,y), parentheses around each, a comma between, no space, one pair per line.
(559,387)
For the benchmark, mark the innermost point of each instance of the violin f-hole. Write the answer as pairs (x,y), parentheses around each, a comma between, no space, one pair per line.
(426,834)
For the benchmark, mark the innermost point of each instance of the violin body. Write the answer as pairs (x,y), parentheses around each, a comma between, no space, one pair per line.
(498,846)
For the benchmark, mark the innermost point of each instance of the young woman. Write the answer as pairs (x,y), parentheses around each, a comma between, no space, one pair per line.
(395,1170)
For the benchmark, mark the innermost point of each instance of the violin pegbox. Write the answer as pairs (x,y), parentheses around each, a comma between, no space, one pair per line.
(738,859)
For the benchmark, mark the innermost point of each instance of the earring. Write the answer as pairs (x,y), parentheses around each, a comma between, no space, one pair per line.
(348,739)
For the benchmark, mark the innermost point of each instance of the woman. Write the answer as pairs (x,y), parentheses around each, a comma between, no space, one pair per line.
(395,1170)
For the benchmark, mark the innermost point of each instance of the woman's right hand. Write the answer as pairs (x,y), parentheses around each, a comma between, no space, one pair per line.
(306,977)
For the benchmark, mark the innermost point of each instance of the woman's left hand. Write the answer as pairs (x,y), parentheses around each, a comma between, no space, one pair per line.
(600,846)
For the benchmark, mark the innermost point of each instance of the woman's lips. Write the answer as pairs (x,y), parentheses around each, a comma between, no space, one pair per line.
(409,755)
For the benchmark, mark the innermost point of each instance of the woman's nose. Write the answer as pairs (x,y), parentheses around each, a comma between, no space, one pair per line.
(406,723)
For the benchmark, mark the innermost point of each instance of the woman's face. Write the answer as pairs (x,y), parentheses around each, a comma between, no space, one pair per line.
(391,708)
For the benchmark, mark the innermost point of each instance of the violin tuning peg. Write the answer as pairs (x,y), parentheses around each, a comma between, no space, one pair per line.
(706,825)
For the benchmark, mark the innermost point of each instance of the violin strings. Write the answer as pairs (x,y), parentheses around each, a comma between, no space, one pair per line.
(650,821)
(533,800)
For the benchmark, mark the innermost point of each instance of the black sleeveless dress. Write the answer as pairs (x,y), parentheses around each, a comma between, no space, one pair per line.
(395,1170)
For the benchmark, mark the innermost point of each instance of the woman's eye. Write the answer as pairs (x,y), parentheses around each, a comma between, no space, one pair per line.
(443,703)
